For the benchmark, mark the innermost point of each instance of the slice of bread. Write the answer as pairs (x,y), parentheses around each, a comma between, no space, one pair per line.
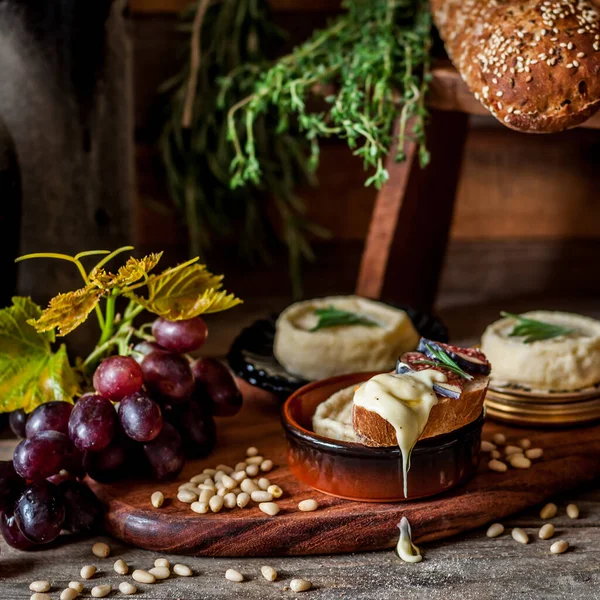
(446,416)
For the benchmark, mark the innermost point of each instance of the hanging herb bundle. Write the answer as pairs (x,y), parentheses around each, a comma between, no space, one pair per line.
(375,59)
(230,45)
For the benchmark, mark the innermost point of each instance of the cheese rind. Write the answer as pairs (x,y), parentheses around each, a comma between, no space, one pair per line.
(333,418)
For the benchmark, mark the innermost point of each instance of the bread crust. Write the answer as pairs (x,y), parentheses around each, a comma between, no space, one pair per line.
(446,416)
(534,64)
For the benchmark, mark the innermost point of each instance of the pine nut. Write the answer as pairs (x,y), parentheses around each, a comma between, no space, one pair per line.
(275,491)
(264,483)
(261,496)
(186,496)
(495,454)
(300,585)
(205,496)
(121,567)
(209,472)
(269,573)
(495,530)
(487,446)
(208,487)
(243,499)
(39,586)
(548,511)
(572,511)
(157,499)
(559,547)
(252,470)
(162,562)
(229,482)
(222,492)
(241,466)
(518,461)
(525,443)
(87,572)
(237,491)
(69,594)
(269,508)
(233,575)
(216,503)
(100,549)
(252,451)
(225,468)
(255,460)
(160,572)
(229,500)
(266,465)
(546,531)
(200,508)
(498,466)
(127,588)
(182,570)
(142,576)
(520,536)
(239,476)
(192,487)
(200,478)
(512,450)
(499,439)
(40,596)
(248,486)
(534,453)
(100,591)
(308,505)
(76,585)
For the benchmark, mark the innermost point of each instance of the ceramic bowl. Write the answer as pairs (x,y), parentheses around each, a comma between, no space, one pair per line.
(356,472)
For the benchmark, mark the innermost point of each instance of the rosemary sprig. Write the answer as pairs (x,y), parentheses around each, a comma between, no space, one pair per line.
(334,317)
(533,330)
(443,358)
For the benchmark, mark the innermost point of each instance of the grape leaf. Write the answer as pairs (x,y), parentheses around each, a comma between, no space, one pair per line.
(67,311)
(184,292)
(133,270)
(30,373)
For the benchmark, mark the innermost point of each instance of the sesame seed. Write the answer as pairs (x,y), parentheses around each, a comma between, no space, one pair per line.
(528,78)
(499,94)
(570,46)
(581,55)
(575,63)
(570,65)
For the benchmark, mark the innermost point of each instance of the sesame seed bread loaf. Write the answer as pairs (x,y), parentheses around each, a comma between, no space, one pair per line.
(446,416)
(534,64)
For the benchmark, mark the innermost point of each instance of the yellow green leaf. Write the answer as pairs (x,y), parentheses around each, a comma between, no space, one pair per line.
(30,373)
(133,270)
(185,292)
(67,311)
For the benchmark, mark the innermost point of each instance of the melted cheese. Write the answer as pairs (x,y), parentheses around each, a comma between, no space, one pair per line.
(405,549)
(405,402)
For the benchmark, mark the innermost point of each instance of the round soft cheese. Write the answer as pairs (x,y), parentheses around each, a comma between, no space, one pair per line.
(564,363)
(333,418)
(344,348)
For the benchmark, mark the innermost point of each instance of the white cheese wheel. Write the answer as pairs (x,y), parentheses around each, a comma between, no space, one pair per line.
(346,348)
(563,363)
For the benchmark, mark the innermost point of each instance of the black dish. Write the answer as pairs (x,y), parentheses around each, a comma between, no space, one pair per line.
(251,356)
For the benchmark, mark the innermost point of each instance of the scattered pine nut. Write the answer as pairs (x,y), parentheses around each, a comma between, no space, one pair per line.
(209,472)
(222,492)
(200,478)
(499,439)
(239,476)
(559,547)
(187,496)
(255,460)
(252,470)
(200,508)
(69,594)
(39,586)
(520,536)
(76,585)
(40,596)
(160,572)
(121,567)
(233,575)
(487,446)
(100,591)
(546,531)
(264,483)
(248,486)
(269,573)
(192,487)
(182,570)
(228,482)
(162,562)
(205,496)
(100,549)
(495,454)
(534,453)
(498,466)
(87,572)
(308,505)
(157,499)
(572,511)
(216,503)
(495,530)
(509,450)
(300,585)
(243,499)
(518,461)
(269,508)
(266,465)
(548,511)
(229,500)
(275,491)
(225,468)
(525,443)
(261,496)
(127,588)
(241,466)
(252,451)
(142,576)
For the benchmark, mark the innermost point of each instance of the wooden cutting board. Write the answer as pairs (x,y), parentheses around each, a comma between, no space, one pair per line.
(571,458)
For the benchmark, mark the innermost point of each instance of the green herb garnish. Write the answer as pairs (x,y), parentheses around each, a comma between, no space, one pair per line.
(447,362)
(533,330)
(333,317)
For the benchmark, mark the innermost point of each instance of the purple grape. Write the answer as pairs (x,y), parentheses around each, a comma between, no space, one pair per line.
(143,348)
(140,417)
(93,423)
(51,416)
(42,455)
(106,465)
(11,485)
(11,533)
(82,509)
(40,512)
(198,431)
(17,421)
(165,453)
(168,377)
(214,379)
(117,377)
(180,336)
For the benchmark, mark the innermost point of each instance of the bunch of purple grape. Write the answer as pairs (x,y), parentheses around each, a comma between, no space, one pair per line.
(149,411)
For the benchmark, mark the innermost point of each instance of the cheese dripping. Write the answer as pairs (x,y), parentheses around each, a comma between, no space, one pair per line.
(405,549)
(405,402)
